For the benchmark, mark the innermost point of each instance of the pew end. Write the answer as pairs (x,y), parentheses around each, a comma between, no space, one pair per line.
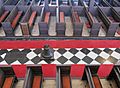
(60,29)
(43,27)
(77,29)
(25,29)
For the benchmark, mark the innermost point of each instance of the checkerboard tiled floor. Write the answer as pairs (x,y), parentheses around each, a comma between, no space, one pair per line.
(61,56)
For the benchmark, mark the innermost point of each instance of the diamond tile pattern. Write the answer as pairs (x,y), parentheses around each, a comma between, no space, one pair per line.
(61,56)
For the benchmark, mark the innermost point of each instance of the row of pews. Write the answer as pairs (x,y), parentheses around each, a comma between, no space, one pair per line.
(27,21)
(70,76)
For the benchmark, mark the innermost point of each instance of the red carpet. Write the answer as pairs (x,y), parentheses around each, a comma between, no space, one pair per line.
(60,44)
(20,70)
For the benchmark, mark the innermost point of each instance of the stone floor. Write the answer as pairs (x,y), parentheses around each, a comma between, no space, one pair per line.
(61,56)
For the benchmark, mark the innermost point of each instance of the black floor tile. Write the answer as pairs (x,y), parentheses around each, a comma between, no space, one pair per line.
(73,50)
(36,59)
(117,50)
(97,51)
(2,51)
(75,59)
(37,51)
(85,50)
(107,50)
(62,59)
(61,50)
(87,59)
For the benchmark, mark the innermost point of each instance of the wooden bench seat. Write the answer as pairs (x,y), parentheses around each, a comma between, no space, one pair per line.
(96,82)
(36,82)
(32,18)
(4,15)
(16,19)
(8,82)
(75,17)
(66,81)
(62,17)
(47,17)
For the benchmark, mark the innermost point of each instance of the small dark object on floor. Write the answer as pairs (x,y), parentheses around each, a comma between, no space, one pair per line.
(47,52)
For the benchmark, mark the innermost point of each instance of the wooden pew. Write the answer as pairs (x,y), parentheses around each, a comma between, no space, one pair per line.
(4,15)
(36,82)
(32,18)
(47,17)
(8,82)
(62,17)
(96,82)
(66,81)
(16,19)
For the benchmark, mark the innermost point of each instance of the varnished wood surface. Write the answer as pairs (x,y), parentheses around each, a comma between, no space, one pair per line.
(96,82)
(16,19)
(36,82)
(62,17)
(66,81)
(4,15)
(47,17)
(32,18)
(8,82)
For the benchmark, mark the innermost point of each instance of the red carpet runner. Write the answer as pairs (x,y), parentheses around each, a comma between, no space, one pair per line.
(60,44)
